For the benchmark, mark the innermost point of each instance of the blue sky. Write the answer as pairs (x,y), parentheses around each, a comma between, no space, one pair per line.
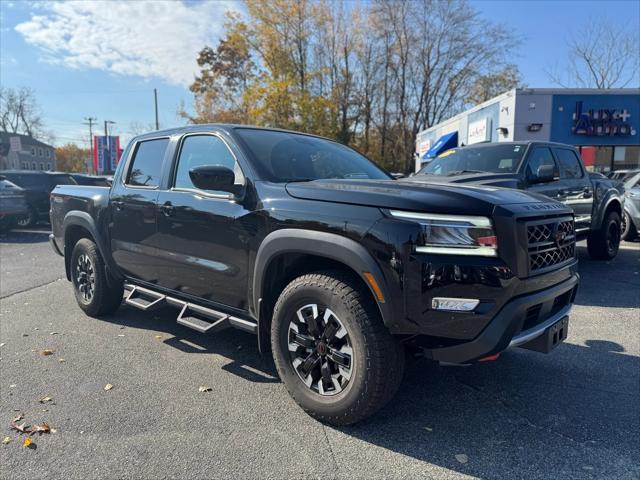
(103,59)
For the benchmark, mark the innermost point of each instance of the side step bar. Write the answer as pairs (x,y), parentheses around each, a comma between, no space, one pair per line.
(197,317)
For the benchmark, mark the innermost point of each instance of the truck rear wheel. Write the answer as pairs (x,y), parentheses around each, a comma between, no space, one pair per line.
(333,353)
(94,294)
(603,244)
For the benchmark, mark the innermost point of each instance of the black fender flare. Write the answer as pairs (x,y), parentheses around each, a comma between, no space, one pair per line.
(610,197)
(330,245)
(86,221)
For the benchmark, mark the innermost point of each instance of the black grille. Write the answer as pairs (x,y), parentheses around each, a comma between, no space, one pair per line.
(551,243)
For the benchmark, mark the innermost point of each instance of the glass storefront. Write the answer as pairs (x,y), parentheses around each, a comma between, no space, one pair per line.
(607,159)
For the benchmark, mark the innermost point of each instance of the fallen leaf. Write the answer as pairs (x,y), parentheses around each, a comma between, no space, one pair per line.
(428,429)
(40,429)
(45,399)
(27,443)
(53,430)
(6,440)
(61,360)
(121,335)
(108,386)
(158,337)
(13,385)
(53,333)
(24,428)
(205,389)
(2,344)
(462,458)
(18,418)
(25,334)
(46,352)
(121,328)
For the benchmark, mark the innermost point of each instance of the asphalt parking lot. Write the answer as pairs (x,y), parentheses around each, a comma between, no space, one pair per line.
(572,414)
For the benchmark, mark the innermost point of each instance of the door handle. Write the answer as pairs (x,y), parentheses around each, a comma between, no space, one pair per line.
(167,209)
(586,193)
(119,205)
(562,193)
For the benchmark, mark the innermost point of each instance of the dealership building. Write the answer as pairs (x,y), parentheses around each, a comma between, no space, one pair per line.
(604,125)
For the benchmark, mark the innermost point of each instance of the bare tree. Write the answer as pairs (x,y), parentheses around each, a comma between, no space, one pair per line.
(19,111)
(608,56)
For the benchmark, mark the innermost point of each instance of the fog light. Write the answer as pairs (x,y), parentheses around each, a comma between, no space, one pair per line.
(454,304)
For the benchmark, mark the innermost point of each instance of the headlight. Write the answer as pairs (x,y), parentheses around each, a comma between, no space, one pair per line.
(453,234)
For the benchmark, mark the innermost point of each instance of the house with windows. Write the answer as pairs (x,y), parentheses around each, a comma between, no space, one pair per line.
(22,152)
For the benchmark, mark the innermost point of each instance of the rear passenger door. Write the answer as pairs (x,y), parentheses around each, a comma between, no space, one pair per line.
(132,204)
(577,186)
(541,155)
(204,235)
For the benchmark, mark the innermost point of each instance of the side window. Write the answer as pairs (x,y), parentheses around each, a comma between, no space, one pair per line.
(569,163)
(200,150)
(540,156)
(146,166)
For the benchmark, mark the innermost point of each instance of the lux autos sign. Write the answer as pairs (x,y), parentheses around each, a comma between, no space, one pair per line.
(601,122)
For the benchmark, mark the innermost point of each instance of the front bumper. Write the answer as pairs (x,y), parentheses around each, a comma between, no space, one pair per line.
(519,322)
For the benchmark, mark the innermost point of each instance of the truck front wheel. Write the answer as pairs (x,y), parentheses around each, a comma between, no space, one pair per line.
(333,353)
(94,294)
(603,244)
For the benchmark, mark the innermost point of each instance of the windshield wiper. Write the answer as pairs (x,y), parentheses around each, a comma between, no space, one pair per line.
(460,172)
(295,180)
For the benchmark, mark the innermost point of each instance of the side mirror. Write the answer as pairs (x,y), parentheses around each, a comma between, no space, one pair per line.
(544,174)
(397,176)
(214,177)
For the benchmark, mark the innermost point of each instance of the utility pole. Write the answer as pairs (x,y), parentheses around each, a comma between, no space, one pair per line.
(90,121)
(155,99)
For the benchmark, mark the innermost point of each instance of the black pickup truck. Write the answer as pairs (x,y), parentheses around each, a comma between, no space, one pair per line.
(334,265)
(553,169)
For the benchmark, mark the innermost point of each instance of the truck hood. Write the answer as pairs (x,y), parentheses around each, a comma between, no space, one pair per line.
(505,180)
(408,194)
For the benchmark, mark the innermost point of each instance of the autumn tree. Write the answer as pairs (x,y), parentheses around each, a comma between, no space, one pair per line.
(490,85)
(71,158)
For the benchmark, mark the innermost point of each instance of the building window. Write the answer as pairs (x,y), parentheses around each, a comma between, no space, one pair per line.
(48,166)
(25,166)
(33,151)
(34,166)
(40,152)
(41,165)
(48,153)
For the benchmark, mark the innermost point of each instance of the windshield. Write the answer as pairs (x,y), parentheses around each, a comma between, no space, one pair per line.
(289,157)
(494,158)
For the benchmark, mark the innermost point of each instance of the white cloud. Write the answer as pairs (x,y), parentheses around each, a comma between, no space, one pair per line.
(142,38)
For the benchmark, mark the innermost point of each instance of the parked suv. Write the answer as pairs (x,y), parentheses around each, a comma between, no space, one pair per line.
(13,205)
(37,187)
(552,169)
(333,264)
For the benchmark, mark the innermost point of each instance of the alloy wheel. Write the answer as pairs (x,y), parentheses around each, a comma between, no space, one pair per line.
(320,349)
(85,277)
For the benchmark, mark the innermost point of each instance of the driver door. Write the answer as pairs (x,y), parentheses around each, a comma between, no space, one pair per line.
(204,234)
(540,156)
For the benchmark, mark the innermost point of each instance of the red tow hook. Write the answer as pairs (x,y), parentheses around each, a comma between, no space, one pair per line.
(490,358)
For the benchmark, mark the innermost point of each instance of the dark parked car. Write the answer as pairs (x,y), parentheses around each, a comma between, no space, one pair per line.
(333,264)
(95,180)
(631,218)
(13,204)
(37,187)
(553,169)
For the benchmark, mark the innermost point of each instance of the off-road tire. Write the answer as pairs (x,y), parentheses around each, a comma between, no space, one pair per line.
(105,297)
(603,244)
(377,360)
(629,230)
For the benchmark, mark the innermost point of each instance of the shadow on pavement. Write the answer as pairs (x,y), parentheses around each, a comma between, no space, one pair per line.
(526,415)
(240,347)
(615,283)
(37,234)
